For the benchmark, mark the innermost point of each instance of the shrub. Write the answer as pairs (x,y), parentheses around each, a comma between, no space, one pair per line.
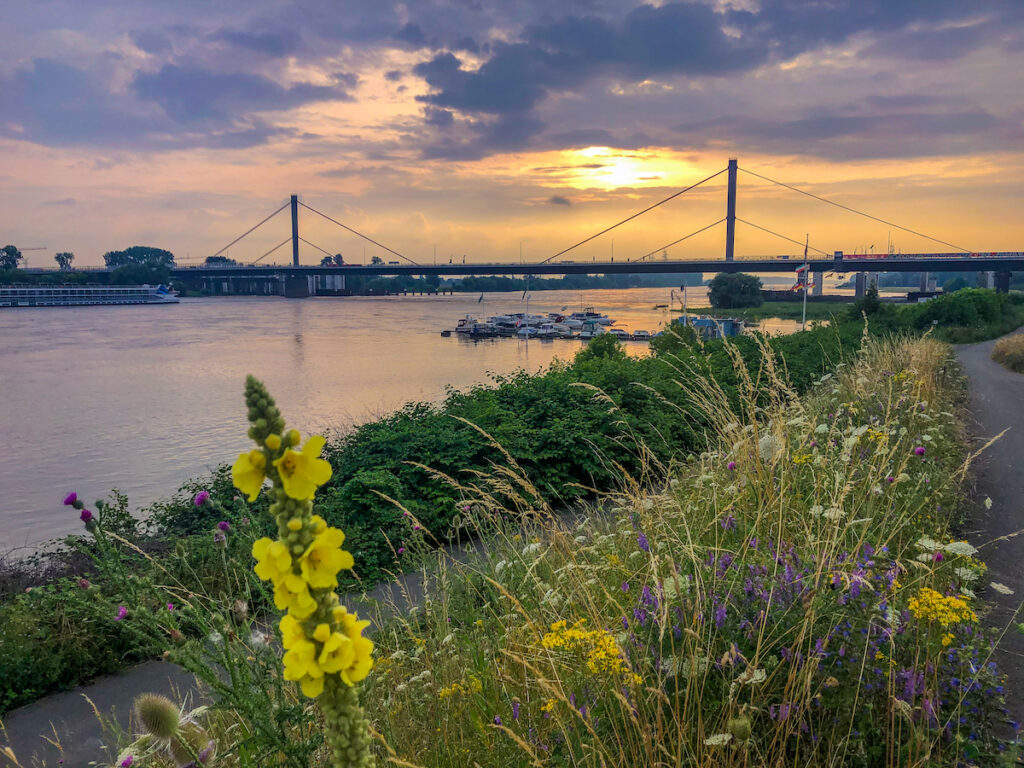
(1009,352)
(727,291)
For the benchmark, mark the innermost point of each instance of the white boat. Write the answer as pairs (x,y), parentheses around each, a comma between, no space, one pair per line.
(527,332)
(84,295)
(591,331)
(641,336)
(620,333)
(588,315)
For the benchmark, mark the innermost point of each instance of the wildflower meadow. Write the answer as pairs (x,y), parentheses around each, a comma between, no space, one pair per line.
(795,594)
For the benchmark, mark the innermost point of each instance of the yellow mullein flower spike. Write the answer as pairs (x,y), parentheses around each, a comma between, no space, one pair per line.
(300,661)
(312,686)
(323,558)
(273,442)
(273,562)
(302,472)
(248,473)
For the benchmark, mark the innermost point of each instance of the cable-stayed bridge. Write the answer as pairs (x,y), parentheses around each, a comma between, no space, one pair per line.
(950,258)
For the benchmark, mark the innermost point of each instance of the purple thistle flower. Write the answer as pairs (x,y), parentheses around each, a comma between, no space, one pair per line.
(86,516)
(201,498)
(121,613)
(919,451)
(170,606)
(126,763)
(224,525)
(890,479)
(401,550)
(937,557)
(731,466)
(641,540)
(417,527)
(70,499)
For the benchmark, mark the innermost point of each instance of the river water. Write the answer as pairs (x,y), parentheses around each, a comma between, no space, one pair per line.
(141,398)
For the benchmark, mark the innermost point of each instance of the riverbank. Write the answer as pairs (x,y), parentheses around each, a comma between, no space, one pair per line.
(572,430)
(771,592)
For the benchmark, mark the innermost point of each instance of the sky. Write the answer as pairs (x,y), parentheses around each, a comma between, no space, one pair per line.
(504,130)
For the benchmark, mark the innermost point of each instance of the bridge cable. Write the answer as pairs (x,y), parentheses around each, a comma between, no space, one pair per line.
(360,234)
(283,242)
(859,213)
(314,245)
(630,218)
(218,253)
(676,242)
(770,232)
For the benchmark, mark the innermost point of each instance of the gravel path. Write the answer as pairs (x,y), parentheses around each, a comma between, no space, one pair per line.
(997,404)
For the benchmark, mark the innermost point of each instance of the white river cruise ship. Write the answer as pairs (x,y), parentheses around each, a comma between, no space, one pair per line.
(82,295)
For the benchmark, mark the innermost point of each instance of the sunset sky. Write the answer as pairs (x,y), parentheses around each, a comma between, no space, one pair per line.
(481,126)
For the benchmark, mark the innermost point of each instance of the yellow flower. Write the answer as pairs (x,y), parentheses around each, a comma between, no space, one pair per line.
(323,558)
(273,442)
(291,632)
(273,562)
(302,472)
(362,647)
(300,664)
(338,653)
(248,473)
(292,594)
(929,605)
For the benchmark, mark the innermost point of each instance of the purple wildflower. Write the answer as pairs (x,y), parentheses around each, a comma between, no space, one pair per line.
(220,538)
(515,710)
(497,719)
(121,613)
(201,498)
(170,606)
(417,527)
(84,583)
(728,522)
(731,466)
(919,451)
(70,499)
(890,479)
(86,516)
(224,525)
(126,763)
(937,557)
(720,615)
(625,586)
(401,550)
(641,540)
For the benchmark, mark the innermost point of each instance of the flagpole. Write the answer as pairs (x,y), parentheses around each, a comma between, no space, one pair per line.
(807,274)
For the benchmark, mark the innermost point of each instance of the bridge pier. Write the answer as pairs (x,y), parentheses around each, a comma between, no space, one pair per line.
(1002,281)
(860,284)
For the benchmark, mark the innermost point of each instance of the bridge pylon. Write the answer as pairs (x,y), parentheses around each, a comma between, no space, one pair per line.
(730,212)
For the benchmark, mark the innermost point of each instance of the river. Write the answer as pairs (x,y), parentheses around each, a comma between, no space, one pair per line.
(141,398)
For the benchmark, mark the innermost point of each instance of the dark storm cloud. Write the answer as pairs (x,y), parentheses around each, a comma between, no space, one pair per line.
(441,118)
(189,94)
(855,136)
(273,44)
(60,105)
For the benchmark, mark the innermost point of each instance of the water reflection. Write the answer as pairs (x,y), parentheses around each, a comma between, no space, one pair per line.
(141,398)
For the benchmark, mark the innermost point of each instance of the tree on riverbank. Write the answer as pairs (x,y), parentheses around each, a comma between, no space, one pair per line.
(64,260)
(10,256)
(139,254)
(728,291)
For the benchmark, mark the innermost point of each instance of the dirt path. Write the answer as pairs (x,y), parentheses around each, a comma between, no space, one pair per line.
(997,403)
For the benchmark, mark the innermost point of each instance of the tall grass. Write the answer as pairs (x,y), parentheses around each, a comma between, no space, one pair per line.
(767,605)
(1009,352)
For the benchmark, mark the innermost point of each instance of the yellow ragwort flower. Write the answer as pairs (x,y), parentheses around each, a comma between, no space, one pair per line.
(323,558)
(302,472)
(292,594)
(248,473)
(273,562)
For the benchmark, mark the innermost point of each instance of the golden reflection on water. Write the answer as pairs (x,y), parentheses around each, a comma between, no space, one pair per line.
(142,398)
